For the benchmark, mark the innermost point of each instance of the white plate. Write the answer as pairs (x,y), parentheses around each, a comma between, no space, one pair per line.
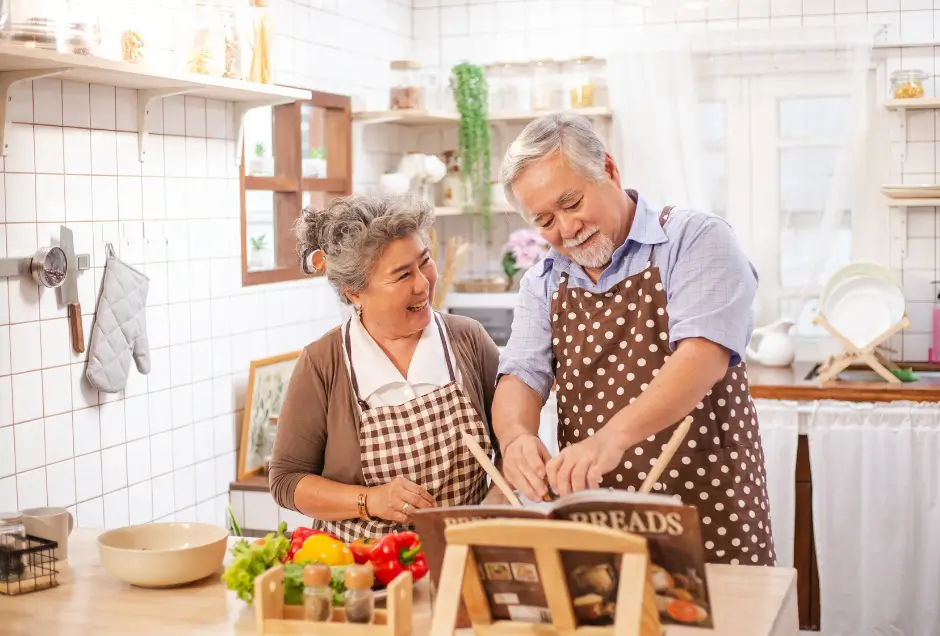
(863,308)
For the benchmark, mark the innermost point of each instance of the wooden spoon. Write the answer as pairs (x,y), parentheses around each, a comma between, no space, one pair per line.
(671,447)
(491,469)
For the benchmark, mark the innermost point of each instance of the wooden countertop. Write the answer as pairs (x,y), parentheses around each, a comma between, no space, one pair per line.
(790,383)
(746,600)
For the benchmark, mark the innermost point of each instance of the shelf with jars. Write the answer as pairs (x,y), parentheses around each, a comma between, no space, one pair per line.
(97,42)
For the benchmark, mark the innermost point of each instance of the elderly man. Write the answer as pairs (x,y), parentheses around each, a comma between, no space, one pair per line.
(638,317)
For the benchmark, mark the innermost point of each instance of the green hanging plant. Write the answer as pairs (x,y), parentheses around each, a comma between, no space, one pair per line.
(470,94)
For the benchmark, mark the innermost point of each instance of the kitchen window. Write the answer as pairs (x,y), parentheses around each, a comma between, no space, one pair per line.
(294,155)
(772,145)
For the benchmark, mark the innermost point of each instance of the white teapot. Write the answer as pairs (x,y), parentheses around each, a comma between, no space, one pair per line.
(774,345)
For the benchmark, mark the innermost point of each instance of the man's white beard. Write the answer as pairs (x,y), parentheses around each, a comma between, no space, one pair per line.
(597,254)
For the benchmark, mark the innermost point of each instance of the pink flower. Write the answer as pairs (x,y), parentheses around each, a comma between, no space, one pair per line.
(526,247)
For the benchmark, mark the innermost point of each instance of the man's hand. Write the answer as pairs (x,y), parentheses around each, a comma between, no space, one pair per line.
(524,466)
(583,465)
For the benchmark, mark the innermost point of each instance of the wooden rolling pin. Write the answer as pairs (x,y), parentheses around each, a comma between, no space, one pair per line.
(671,447)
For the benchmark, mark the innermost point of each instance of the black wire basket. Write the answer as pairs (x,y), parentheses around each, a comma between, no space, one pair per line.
(26,565)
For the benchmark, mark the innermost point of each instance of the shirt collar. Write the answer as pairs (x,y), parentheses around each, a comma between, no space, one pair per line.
(645,230)
(374,371)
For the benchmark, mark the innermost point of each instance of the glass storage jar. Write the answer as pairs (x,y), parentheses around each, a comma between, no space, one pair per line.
(494,81)
(579,83)
(262,42)
(546,89)
(906,84)
(35,23)
(12,539)
(202,44)
(407,92)
(81,33)
(234,17)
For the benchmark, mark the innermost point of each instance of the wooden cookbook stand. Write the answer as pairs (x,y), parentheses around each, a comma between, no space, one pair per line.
(272,616)
(851,354)
(636,613)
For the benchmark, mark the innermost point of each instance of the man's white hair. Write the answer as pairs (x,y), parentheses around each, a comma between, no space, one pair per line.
(565,132)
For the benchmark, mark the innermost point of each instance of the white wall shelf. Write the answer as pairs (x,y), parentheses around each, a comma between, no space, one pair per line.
(497,300)
(424,118)
(457,211)
(18,63)
(914,103)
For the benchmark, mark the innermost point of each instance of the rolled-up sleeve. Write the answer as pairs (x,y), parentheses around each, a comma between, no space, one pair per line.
(711,287)
(528,353)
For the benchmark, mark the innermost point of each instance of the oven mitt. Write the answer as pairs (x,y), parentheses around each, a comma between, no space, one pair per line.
(120,329)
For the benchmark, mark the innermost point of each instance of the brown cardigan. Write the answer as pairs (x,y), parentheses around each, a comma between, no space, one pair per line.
(318,426)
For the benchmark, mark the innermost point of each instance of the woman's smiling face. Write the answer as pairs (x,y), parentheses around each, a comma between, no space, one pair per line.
(401,288)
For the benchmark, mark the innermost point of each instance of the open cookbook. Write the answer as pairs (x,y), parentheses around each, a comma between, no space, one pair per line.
(511,578)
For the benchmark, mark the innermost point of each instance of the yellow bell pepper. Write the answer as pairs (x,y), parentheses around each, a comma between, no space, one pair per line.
(321,548)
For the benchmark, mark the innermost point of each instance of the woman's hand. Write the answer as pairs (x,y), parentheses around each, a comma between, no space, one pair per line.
(396,500)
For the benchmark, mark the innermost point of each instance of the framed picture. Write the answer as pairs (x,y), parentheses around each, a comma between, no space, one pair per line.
(267,384)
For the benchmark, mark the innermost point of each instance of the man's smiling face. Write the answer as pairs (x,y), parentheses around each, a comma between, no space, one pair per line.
(581,218)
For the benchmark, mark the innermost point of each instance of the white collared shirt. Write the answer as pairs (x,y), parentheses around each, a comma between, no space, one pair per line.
(380,383)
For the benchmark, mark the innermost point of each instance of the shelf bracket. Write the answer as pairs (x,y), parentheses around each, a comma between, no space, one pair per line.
(239,110)
(145,97)
(7,80)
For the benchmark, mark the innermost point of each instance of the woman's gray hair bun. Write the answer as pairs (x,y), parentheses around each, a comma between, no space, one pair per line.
(352,231)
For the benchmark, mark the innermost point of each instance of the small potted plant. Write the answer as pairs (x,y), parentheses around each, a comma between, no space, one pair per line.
(523,249)
(257,165)
(314,165)
(258,246)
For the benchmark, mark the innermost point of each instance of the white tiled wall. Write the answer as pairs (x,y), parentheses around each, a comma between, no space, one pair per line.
(483,31)
(165,447)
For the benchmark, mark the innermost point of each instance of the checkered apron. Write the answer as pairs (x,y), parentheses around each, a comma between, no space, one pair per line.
(420,441)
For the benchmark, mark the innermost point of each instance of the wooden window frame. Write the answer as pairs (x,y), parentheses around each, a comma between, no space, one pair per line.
(288,179)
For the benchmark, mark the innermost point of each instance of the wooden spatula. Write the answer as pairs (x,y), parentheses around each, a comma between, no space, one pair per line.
(491,469)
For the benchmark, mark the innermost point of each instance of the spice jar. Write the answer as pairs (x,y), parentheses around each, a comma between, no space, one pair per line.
(12,540)
(202,48)
(234,25)
(81,34)
(546,89)
(318,595)
(907,84)
(358,599)
(579,83)
(407,92)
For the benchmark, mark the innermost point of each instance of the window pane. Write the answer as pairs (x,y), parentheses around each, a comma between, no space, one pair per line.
(313,141)
(806,178)
(260,229)
(259,142)
(712,121)
(813,117)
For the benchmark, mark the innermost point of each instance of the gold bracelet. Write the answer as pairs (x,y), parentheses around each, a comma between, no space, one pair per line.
(363,511)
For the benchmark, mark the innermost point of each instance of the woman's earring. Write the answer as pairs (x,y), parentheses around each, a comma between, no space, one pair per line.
(359,311)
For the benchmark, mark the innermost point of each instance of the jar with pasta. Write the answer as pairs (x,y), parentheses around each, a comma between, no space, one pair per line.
(262,35)
(907,84)
(202,39)
(579,84)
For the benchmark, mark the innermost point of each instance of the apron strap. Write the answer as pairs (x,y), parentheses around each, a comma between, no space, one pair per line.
(352,369)
(663,217)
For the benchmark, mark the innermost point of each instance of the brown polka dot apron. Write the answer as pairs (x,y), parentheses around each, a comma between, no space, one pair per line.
(420,441)
(608,347)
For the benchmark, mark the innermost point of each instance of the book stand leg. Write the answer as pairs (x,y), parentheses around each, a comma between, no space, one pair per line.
(636,613)
(870,354)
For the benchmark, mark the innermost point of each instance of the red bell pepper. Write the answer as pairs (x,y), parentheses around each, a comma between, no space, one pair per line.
(396,553)
(362,550)
(297,538)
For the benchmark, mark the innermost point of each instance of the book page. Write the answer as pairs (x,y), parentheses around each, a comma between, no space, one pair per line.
(513,586)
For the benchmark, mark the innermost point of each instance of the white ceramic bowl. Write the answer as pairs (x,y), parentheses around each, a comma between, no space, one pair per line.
(163,554)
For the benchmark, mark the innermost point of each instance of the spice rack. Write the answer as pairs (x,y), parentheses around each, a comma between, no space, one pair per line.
(19,63)
(273,616)
(42,266)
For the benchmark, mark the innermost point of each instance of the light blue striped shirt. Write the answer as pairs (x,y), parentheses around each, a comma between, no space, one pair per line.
(709,282)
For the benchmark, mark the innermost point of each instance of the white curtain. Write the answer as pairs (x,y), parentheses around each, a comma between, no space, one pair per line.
(876,517)
(779,433)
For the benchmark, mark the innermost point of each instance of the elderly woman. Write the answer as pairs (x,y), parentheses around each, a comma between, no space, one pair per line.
(370,429)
